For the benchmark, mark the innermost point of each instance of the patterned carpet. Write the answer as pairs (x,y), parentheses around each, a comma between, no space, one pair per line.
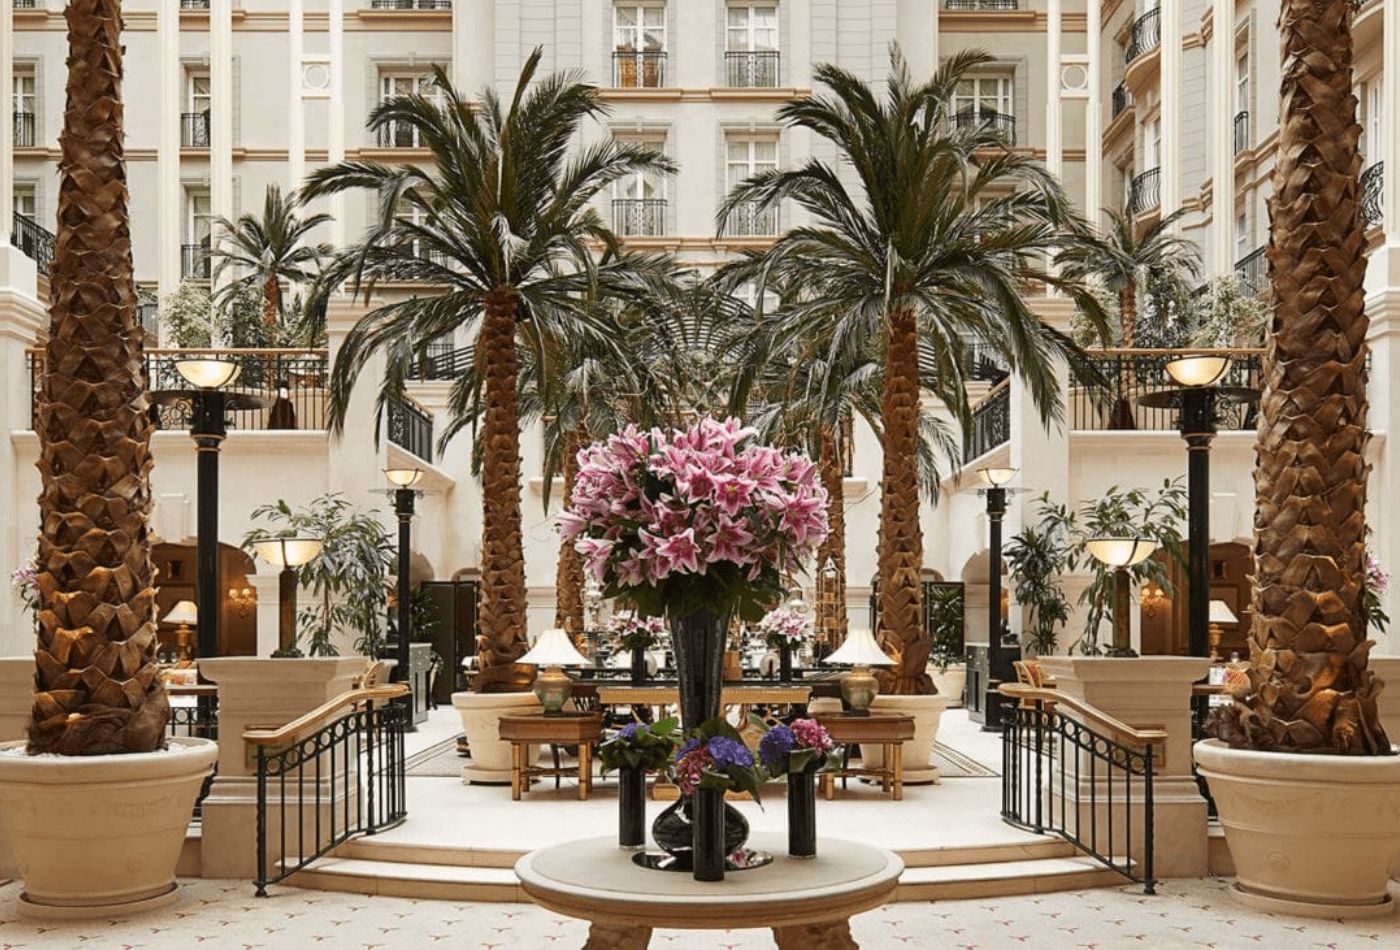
(224,915)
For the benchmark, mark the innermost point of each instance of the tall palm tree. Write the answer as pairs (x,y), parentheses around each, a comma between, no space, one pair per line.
(504,229)
(940,241)
(270,250)
(98,689)
(1310,690)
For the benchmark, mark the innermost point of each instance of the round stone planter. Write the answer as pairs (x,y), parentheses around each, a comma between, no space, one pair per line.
(99,836)
(1312,835)
(481,721)
(951,682)
(918,751)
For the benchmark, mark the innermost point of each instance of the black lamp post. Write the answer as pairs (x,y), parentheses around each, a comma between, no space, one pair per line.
(288,554)
(999,657)
(1121,553)
(403,480)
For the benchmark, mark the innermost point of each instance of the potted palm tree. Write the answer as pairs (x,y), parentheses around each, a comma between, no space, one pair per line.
(97,802)
(1304,777)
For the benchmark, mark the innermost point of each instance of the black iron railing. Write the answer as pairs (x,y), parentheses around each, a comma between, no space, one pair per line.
(1128,374)
(33,241)
(1146,35)
(410,427)
(397,135)
(24,128)
(410,4)
(1060,776)
(984,362)
(1122,98)
(194,129)
(194,4)
(1241,131)
(1145,192)
(194,261)
(197,720)
(442,360)
(998,122)
(991,423)
(347,779)
(1200,712)
(1252,271)
(292,381)
(634,69)
(639,217)
(1372,205)
(979,5)
(756,69)
(751,220)
(26,4)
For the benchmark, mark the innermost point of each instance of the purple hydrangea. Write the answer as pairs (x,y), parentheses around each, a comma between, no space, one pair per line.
(690,746)
(775,745)
(726,751)
(628,733)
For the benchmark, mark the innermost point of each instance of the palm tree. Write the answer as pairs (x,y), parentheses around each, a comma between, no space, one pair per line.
(98,688)
(504,228)
(944,236)
(271,249)
(1310,690)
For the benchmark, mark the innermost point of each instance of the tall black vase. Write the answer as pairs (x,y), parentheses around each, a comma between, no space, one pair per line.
(631,809)
(802,811)
(639,666)
(785,661)
(698,642)
(708,831)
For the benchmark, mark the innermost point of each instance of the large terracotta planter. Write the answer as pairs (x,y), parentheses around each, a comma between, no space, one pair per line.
(918,751)
(481,713)
(950,683)
(1309,834)
(97,836)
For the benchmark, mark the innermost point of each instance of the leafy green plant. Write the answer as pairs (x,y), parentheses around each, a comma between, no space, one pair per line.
(1229,316)
(1036,558)
(423,615)
(639,746)
(944,606)
(348,578)
(189,318)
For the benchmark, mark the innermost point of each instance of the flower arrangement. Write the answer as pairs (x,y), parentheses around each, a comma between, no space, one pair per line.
(636,633)
(715,757)
(640,746)
(794,747)
(697,518)
(785,626)
(25,582)
(1377,580)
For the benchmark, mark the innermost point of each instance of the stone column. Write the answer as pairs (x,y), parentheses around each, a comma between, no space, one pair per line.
(474,45)
(335,123)
(916,29)
(21,317)
(265,583)
(1170,158)
(168,146)
(7,122)
(296,108)
(1221,138)
(1093,112)
(221,91)
(1054,134)
(1145,693)
(257,693)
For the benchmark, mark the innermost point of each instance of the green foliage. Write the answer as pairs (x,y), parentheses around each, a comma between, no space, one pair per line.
(1229,316)
(647,747)
(724,589)
(263,252)
(1036,558)
(944,605)
(423,615)
(348,578)
(728,778)
(189,318)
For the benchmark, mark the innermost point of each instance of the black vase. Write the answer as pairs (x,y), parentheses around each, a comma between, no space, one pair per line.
(631,809)
(802,811)
(708,831)
(639,666)
(698,642)
(785,661)
(673,830)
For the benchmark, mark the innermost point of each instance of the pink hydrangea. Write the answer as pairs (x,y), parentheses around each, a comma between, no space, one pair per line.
(810,734)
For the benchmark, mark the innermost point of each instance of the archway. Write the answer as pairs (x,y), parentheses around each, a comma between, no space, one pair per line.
(238,599)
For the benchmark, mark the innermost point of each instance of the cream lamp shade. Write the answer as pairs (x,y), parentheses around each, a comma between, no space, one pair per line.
(860,649)
(403,477)
(183,612)
(1220,612)
(287,552)
(1121,552)
(207,372)
(554,648)
(1197,370)
(996,477)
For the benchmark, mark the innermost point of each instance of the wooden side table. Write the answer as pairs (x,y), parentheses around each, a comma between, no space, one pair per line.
(524,730)
(890,731)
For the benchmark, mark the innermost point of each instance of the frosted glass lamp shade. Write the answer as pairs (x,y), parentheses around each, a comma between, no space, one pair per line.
(860,649)
(207,372)
(183,612)
(288,552)
(1197,370)
(1220,612)
(1121,552)
(554,648)
(403,477)
(996,477)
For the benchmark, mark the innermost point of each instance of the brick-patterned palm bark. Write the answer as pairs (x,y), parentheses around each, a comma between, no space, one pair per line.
(568,573)
(901,628)
(831,469)
(97,690)
(503,594)
(1310,689)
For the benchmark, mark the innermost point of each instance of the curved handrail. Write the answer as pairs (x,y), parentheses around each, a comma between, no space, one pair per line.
(263,735)
(1122,732)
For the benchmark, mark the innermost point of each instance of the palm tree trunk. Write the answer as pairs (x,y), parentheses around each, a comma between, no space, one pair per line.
(568,574)
(1310,689)
(900,617)
(1123,414)
(272,300)
(833,620)
(503,597)
(1127,315)
(97,690)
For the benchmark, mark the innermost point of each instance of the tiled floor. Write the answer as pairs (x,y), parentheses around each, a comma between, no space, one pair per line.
(224,914)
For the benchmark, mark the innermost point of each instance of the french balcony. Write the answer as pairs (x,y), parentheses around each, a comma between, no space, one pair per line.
(410,427)
(194,4)
(1145,192)
(33,241)
(1372,207)
(751,220)
(398,135)
(194,130)
(410,4)
(751,70)
(1146,35)
(981,6)
(25,129)
(1241,132)
(1122,99)
(991,423)
(639,217)
(1110,401)
(26,4)
(644,69)
(998,123)
(1252,271)
(194,262)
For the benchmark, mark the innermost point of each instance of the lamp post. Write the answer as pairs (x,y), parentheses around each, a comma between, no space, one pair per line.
(403,480)
(1121,554)
(998,662)
(288,554)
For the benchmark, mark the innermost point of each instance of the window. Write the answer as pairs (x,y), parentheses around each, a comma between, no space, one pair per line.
(194,123)
(751,46)
(1152,144)
(194,255)
(748,293)
(24,202)
(746,156)
(639,199)
(24,109)
(986,101)
(639,46)
(404,83)
(1241,236)
(1242,83)
(1375,144)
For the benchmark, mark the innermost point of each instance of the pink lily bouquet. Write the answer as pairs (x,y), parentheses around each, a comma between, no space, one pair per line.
(785,626)
(698,518)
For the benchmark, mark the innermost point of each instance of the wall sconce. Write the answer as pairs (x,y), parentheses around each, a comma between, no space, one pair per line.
(1153,598)
(244,599)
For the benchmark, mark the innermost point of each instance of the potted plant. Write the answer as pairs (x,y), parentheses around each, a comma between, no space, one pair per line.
(1304,777)
(698,830)
(636,635)
(783,629)
(944,603)
(1037,559)
(637,749)
(798,751)
(96,804)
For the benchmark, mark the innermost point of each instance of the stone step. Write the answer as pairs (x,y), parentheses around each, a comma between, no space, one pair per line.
(998,879)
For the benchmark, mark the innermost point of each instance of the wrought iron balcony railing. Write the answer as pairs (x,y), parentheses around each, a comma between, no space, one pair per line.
(980,6)
(398,135)
(194,262)
(749,220)
(998,122)
(194,130)
(26,4)
(1241,132)
(194,4)
(1146,35)
(639,217)
(1122,98)
(33,241)
(410,427)
(410,4)
(1145,193)
(1108,402)
(1252,271)
(756,69)
(991,423)
(639,69)
(1372,206)
(25,125)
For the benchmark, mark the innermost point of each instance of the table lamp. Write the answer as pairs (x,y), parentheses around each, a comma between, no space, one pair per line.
(1220,613)
(551,651)
(184,613)
(858,685)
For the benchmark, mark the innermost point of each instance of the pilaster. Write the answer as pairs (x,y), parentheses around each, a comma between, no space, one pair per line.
(7,122)
(168,146)
(335,122)
(296,107)
(221,110)
(1170,176)
(916,30)
(1221,138)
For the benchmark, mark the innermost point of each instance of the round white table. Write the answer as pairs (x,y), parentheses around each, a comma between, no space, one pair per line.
(807,903)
